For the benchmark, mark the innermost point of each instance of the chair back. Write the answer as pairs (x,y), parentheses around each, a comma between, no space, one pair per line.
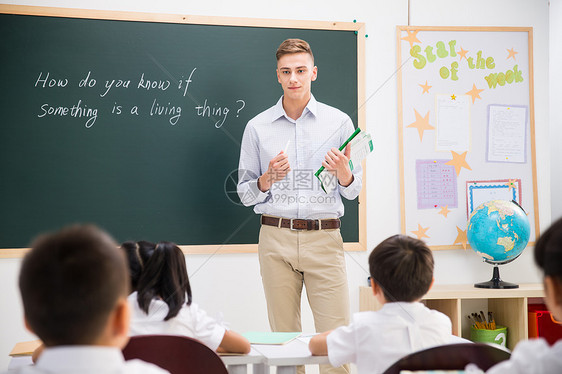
(177,354)
(451,357)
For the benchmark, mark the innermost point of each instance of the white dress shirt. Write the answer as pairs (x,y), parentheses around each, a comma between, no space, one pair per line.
(86,360)
(309,138)
(532,357)
(375,340)
(191,321)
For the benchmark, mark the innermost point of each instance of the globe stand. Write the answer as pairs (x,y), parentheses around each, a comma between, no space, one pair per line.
(496,281)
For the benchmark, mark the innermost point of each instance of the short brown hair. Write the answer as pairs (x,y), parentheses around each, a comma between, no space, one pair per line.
(70,282)
(290,46)
(403,267)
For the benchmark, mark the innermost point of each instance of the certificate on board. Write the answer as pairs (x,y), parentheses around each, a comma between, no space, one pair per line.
(479,192)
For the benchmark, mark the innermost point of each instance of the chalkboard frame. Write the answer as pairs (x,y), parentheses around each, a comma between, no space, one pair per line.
(358,27)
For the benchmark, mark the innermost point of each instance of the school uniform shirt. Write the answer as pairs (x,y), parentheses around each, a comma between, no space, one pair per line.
(375,340)
(308,139)
(533,356)
(191,321)
(86,360)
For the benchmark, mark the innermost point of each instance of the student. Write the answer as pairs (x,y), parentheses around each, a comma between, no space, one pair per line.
(401,274)
(162,304)
(74,287)
(535,356)
(137,254)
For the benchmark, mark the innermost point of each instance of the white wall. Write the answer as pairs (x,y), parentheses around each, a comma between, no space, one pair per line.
(555,78)
(231,283)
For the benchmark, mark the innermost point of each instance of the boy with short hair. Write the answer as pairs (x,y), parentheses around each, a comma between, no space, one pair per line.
(74,287)
(401,274)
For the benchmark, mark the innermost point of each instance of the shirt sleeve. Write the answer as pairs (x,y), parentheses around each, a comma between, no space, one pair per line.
(206,328)
(352,191)
(527,357)
(341,346)
(249,170)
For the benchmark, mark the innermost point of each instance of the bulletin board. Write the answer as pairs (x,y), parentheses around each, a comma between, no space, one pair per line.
(466,127)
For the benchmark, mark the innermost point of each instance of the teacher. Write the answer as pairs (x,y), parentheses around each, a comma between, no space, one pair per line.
(299,241)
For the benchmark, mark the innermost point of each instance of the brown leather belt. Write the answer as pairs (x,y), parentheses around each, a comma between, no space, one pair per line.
(301,224)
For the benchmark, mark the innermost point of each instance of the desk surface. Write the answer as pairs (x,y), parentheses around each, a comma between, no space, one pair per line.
(293,353)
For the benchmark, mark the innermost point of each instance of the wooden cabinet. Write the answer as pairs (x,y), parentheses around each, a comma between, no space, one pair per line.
(458,301)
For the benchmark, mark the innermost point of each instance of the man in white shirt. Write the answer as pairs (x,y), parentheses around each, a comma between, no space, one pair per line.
(300,241)
(401,274)
(74,286)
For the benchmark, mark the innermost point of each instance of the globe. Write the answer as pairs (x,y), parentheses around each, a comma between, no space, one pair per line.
(498,231)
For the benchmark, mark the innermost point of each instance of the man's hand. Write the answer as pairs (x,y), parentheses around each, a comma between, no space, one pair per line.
(337,163)
(278,168)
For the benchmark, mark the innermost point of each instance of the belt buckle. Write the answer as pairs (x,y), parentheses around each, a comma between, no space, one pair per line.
(292,226)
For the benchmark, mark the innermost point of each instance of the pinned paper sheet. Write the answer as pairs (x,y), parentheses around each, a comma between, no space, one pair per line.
(507,130)
(436,184)
(453,122)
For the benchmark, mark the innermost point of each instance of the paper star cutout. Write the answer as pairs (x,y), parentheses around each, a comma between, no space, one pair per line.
(411,38)
(475,93)
(461,237)
(512,53)
(425,87)
(421,124)
(511,183)
(462,53)
(453,97)
(459,162)
(421,232)
(444,211)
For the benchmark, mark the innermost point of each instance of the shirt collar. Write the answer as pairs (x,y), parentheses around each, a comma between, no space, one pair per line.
(402,308)
(73,358)
(278,111)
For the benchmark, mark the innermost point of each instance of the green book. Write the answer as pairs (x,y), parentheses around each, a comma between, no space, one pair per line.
(258,337)
(341,148)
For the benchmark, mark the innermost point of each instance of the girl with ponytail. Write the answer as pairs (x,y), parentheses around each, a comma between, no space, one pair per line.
(162,304)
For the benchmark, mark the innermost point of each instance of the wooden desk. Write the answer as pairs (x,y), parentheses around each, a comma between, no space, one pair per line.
(458,301)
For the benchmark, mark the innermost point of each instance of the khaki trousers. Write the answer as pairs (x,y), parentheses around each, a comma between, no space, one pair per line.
(289,259)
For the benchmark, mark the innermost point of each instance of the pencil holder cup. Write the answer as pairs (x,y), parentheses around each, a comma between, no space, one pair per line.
(497,336)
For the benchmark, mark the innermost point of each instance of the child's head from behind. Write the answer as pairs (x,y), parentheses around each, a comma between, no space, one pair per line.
(403,267)
(165,276)
(548,256)
(138,254)
(71,282)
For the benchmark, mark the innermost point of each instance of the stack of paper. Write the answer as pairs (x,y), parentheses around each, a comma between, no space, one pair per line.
(270,337)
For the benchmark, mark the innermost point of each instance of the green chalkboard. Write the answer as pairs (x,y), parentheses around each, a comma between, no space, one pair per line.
(136,126)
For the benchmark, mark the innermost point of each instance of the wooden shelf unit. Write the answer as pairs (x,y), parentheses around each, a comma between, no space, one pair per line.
(509,306)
